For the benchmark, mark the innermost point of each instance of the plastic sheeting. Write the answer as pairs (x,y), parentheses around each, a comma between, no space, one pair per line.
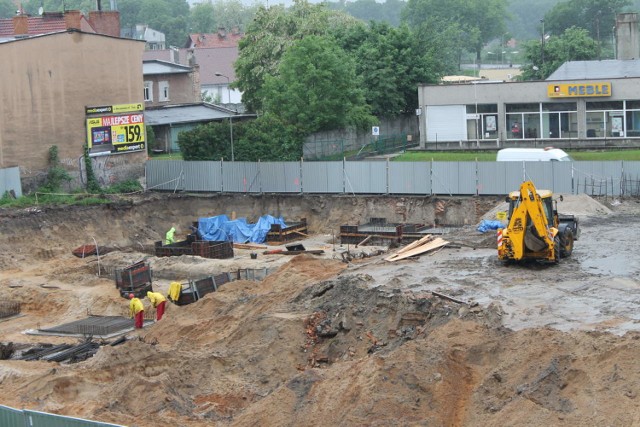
(486,225)
(221,228)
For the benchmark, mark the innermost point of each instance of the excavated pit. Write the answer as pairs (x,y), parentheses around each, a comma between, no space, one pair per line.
(453,337)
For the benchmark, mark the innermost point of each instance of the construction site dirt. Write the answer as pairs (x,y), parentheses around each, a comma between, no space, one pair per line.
(451,337)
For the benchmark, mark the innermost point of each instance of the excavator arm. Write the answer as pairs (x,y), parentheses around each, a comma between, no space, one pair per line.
(528,224)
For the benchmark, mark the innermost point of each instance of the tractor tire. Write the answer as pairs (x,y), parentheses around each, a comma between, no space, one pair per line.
(556,250)
(566,243)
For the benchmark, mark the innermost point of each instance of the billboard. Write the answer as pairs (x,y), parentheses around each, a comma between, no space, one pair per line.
(115,128)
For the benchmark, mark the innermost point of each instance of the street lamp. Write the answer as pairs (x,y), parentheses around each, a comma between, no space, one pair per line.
(230,122)
(542,44)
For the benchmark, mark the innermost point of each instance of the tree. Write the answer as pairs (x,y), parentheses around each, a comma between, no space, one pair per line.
(392,62)
(167,16)
(316,88)
(596,16)
(268,138)
(7,9)
(480,21)
(202,18)
(573,45)
(371,10)
(268,37)
(232,13)
(206,142)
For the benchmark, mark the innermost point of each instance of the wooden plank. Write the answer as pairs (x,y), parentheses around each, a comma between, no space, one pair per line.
(366,239)
(412,245)
(434,244)
(248,246)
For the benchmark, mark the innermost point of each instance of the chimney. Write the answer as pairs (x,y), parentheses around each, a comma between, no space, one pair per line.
(20,25)
(72,19)
(222,32)
(106,22)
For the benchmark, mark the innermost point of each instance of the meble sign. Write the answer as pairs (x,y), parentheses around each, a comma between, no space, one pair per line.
(569,90)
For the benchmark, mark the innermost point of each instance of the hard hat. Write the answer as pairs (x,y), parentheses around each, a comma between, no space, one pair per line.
(131,296)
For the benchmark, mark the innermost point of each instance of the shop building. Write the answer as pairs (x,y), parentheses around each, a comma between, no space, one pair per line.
(588,103)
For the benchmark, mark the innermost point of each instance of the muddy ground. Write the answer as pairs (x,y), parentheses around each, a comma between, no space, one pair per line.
(324,342)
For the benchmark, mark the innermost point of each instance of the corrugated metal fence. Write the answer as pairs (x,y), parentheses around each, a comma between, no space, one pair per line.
(10,181)
(10,417)
(611,178)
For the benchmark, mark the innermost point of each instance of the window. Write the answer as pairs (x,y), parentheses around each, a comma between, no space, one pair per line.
(546,120)
(607,119)
(482,121)
(148,91)
(164,91)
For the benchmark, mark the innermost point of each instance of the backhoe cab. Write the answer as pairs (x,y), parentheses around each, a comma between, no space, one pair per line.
(535,231)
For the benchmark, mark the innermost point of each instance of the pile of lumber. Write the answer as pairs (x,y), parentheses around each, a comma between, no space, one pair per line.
(426,244)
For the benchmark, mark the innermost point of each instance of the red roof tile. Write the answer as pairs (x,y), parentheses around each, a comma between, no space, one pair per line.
(219,39)
(43,25)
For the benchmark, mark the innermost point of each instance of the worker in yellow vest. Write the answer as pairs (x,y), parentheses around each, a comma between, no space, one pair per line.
(136,311)
(158,301)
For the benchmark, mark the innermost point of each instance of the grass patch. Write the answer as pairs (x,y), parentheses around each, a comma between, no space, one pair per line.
(166,156)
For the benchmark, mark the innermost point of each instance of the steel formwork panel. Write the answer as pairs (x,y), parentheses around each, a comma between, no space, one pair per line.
(10,180)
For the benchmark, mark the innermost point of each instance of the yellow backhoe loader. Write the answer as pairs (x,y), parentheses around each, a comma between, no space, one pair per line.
(535,231)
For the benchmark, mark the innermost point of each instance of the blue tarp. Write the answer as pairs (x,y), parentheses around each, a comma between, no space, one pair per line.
(221,228)
(486,225)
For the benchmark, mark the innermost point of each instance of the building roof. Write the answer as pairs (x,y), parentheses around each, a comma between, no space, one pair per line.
(211,61)
(186,113)
(216,60)
(222,38)
(155,67)
(49,22)
(605,69)
(25,39)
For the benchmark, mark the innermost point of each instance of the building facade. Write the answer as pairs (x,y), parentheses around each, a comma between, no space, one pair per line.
(50,84)
(557,112)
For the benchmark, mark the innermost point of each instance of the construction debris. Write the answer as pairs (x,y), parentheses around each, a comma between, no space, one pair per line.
(203,248)
(426,244)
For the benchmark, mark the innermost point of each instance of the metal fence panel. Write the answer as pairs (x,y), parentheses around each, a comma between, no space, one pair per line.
(631,179)
(409,178)
(10,180)
(203,176)
(43,419)
(540,173)
(366,177)
(10,417)
(165,175)
(453,177)
(563,177)
(492,178)
(240,177)
(280,177)
(322,177)
(598,178)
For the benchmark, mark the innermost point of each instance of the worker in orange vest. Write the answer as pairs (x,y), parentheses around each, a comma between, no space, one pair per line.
(158,301)
(136,311)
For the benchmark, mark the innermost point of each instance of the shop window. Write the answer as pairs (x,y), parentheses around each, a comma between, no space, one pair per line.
(522,108)
(559,106)
(595,124)
(605,105)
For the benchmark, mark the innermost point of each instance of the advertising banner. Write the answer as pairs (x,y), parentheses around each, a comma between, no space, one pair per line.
(108,131)
(573,90)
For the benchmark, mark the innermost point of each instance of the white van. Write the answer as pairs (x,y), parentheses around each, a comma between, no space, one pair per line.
(533,155)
